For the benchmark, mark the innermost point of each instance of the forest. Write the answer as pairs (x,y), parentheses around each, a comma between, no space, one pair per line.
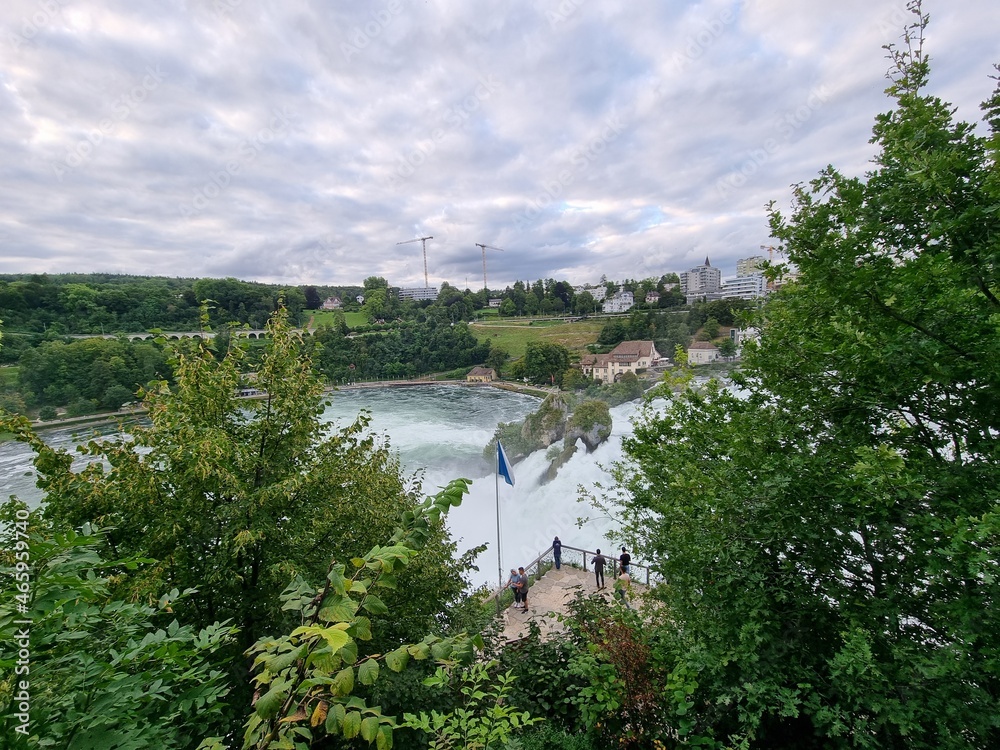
(60,373)
(825,535)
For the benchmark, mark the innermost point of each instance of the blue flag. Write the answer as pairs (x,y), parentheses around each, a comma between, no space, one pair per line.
(503,466)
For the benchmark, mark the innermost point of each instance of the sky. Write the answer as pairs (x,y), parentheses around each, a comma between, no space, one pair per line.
(297,141)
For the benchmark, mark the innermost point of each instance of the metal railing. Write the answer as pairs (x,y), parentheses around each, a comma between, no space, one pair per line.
(575,557)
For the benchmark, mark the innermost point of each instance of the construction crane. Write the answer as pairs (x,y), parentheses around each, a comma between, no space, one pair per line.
(770,252)
(422,241)
(485,248)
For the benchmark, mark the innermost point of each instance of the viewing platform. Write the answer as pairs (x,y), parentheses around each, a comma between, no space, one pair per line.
(551,591)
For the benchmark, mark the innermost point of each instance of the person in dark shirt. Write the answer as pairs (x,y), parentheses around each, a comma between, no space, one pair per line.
(557,552)
(599,561)
(625,559)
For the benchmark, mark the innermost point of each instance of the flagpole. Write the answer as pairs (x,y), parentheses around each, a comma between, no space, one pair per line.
(496,484)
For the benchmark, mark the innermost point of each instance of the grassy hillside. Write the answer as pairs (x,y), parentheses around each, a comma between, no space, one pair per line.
(514,335)
(327,317)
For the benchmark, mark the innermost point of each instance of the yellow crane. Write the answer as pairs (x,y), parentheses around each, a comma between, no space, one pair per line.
(485,248)
(422,241)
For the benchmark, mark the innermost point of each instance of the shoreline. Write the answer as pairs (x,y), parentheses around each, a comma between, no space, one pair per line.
(139,412)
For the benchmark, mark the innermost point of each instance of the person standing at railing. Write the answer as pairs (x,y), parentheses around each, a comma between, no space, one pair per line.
(599,561)
(625,559)
(513,583)
(524,587)
(557,552)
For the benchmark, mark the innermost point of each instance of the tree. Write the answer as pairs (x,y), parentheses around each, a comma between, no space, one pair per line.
(613,332)
(313,300)
(727,348)
(497,358)
(232,497)
(584,304)
(711,328)
(544,363)
(102,671)
(830,534)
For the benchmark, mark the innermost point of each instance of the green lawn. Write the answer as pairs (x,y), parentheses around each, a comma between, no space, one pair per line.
(328,317)
(514,335)
(8,376)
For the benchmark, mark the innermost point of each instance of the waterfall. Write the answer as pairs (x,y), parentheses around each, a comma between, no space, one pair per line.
(439,432)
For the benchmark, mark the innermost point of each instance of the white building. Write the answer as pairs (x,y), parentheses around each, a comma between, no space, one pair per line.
(597,292)
(701,283)
(419,292)
(621,302)
(751,286)
(702,353)
(751,265)
(628,356)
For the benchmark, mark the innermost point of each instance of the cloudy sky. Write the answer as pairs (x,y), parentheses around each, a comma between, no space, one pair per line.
(296,141)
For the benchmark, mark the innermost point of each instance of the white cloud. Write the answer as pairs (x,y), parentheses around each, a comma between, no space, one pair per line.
(299,141)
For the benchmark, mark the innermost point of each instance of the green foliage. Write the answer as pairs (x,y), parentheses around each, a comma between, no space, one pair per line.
(544,363)
(101,371)
(829,538)
(727,347)
(544,685)
(485,717)
(81,407)
(101,671)
(403,350)
(711,328)
(234,497)
(590,413)
(627,388)
(514,442)
(497,358)
(547,736)
(622,698)
(306,681)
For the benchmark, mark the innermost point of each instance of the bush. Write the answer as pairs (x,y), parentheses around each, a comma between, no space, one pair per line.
(548,736)
(81,407)
(47,412)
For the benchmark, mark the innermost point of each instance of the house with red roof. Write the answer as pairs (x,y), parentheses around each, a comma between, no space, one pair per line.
(628,356)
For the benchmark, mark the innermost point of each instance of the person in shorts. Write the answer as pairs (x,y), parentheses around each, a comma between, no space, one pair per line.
(524,587)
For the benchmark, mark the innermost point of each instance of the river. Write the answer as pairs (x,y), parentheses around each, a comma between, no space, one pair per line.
(441,430)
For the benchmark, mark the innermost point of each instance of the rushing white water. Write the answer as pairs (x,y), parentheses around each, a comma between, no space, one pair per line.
(440,431)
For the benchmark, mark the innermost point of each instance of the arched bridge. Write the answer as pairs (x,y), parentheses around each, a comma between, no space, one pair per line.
(178,335)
